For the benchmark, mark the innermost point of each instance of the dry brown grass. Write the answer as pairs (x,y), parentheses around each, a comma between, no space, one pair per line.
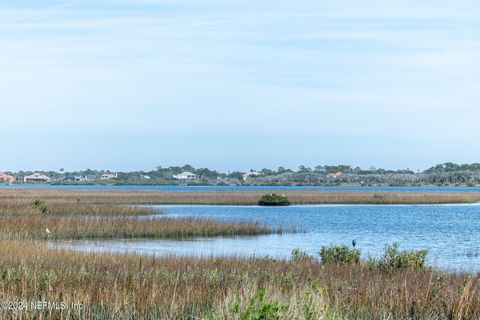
(57,208)
(118,286)
(89,217)
(104,197)
(70,228)
(114,286)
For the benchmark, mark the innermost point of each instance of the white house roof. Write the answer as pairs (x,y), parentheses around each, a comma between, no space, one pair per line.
(186,173)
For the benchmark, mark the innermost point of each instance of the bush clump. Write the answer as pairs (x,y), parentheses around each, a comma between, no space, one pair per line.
(339,254)
(273,199)
(394,259)
(40,205)
(261,307)
(301,256)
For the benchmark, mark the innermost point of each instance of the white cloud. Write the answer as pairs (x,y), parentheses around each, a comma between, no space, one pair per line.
(376,68)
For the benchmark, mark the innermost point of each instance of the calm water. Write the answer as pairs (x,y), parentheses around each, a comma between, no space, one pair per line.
(238,188)
(450,232)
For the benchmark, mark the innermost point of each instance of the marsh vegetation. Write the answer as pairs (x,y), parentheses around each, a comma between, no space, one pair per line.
(42,216)
(273,200)
(335,284)
(71,228)
(131,286)
(62,201)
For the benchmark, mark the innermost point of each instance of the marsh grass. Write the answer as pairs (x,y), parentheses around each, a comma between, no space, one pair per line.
(22,197)
(39,207)
(72,228)
(113,286)
(40,215)
(119,286)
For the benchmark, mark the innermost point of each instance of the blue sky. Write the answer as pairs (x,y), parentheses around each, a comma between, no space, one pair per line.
(240,84)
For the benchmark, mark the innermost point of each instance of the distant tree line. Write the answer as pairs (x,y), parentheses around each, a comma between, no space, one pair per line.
(442,174)
(453,167)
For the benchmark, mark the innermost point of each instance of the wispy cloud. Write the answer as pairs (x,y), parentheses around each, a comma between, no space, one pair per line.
(396,69)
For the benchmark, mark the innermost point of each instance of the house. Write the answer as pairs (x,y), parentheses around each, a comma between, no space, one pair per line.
(335,175)
(185,176)
(75,178)
(251,174)
(109,176)
(36,177)
(6,177)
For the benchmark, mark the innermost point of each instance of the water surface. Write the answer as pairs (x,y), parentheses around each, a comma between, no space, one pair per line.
(181,188)
(451,233)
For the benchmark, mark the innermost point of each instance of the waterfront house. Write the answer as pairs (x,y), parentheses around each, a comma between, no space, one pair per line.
(335,175)
(109,176)
(251,174)
(36,177)
(6,177)
(75,178)
(185,176)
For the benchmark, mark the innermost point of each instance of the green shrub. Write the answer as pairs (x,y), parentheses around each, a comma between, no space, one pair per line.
(268,259)
(300,256)
(260,308)
(40,205)
(394,259)
(273,199)
(339,254)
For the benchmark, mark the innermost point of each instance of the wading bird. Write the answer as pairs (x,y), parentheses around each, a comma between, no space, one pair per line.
(354,243)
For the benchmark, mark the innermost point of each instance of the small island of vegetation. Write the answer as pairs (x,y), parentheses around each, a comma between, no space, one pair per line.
(274,200)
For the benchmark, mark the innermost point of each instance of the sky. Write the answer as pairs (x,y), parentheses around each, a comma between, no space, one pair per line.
(238,84)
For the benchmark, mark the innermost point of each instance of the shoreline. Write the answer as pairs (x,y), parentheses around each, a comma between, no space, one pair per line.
(293,185)
(161,287)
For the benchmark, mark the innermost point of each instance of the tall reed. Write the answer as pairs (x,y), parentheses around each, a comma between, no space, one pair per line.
(57,208)
(113,286)
(20,197)
(70,228)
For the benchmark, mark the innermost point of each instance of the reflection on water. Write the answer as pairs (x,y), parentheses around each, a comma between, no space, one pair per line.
(450,232)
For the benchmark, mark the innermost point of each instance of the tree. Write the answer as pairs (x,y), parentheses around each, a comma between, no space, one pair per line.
(188,167)
(319,169)
(304,169)
(267,172)
(281,170)
(236,175)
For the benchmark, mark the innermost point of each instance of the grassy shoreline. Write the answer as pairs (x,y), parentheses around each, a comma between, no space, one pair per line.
(71,228)
(109,197)
(131,286)
(39,216)
(225,288)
